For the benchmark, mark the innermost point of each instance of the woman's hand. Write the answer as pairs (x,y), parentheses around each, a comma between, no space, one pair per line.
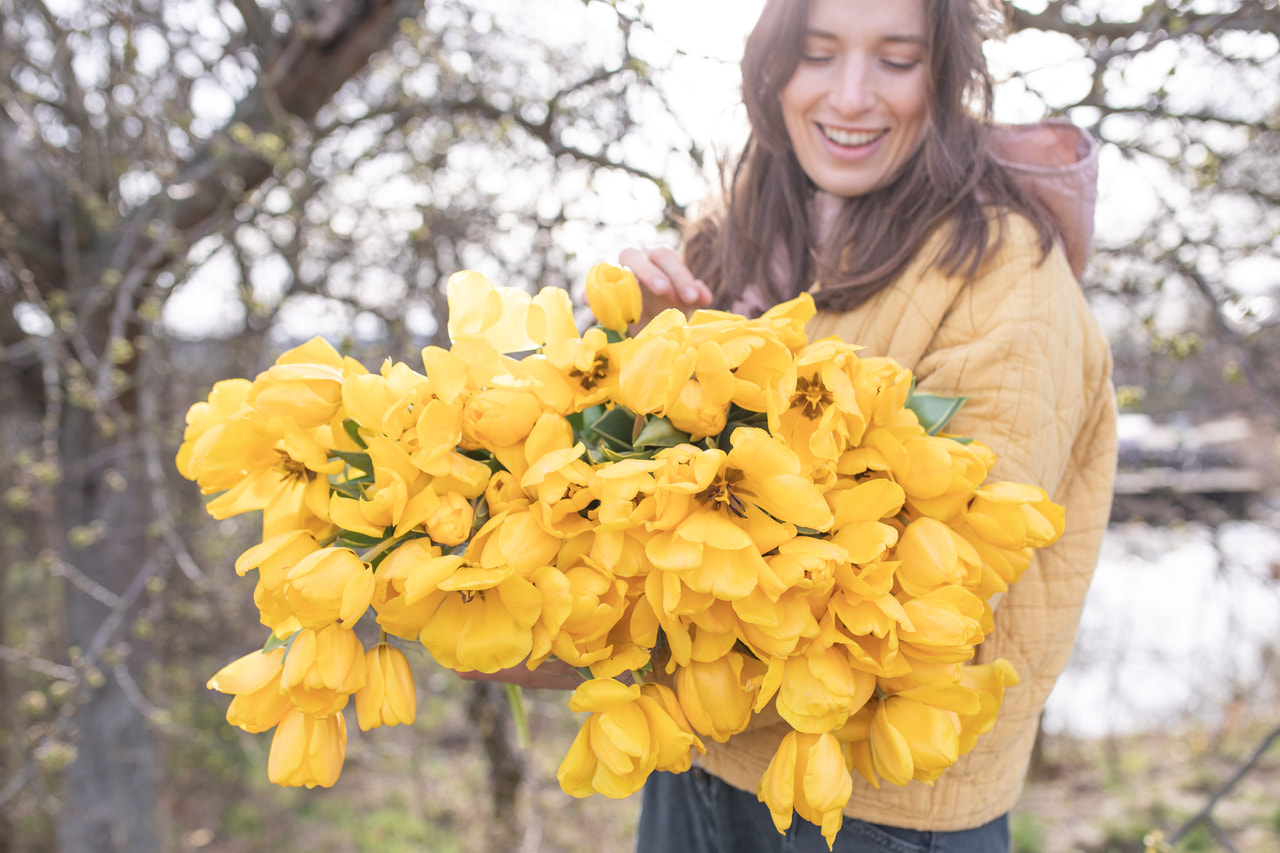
(668,281)
(552,674)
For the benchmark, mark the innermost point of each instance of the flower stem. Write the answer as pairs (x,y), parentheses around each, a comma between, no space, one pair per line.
(516,699)
(391,542)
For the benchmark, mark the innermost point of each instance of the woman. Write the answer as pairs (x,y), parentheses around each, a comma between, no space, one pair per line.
(871,179)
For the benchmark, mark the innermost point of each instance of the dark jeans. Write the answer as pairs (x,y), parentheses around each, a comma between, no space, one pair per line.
(696,812)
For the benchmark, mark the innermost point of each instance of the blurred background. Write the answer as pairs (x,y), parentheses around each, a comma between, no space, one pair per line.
(188,187)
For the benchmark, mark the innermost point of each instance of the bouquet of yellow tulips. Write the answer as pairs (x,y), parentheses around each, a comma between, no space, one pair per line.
(741,518)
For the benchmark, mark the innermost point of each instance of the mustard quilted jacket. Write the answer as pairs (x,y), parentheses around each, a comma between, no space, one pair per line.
(1020,342)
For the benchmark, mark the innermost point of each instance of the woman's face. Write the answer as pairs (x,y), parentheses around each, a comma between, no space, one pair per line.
(857,106)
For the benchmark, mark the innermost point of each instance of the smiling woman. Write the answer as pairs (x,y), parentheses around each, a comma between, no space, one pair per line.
(857,104)
(875,180)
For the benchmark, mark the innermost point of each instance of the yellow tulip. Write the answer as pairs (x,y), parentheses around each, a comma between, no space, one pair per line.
(820,690)
(307,750)
(329,585)
(989,682)
(486,624)
(771,478)
(551,317)
(514,540)
(631,732)
(882,386)
(558,477)
(632,638)
(499,417)
(932,556)
(1000,566)
(614,296)
(943,475)
(787,320)
(703,404)
(205,422)
(437,431)
(717,696)
(890,750)
(815,408)
(388,697)
(407,586)
(865,619)
(273,558)
(931,736)
(598,602)
(809,774)
(656,364)
(304,385)
(621,487)
(589,366)
(1015,516)
(946,624)
(322,669)
(383,403)
(450,520)
(254,680)
(776,628)
(497,315)
(757,359)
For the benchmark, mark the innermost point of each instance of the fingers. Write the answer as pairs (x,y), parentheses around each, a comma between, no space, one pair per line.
(550,675)
(663,273)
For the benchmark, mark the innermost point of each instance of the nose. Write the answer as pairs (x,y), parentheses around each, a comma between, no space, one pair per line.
(853,89)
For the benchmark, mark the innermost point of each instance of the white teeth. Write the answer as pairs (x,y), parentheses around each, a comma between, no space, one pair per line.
(851,138)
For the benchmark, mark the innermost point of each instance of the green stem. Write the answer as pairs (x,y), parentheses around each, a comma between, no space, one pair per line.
(518,715)
(372,553)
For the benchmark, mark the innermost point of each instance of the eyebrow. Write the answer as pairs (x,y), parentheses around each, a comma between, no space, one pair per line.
(896,39)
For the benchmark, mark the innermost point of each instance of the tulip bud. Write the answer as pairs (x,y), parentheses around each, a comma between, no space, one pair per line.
(322,669)
(614,296)
(329,585)
(388,697)
(255,680)
(307,750)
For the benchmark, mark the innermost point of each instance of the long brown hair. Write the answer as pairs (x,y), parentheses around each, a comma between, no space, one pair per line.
(947,183)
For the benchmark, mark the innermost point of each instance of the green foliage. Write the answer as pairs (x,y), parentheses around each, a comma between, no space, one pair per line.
(1026,833)
(1198,840)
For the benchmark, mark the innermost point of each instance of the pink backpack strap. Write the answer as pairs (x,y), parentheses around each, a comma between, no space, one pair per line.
(1057,163)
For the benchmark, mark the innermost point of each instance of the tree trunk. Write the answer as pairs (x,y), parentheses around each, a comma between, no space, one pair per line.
(111,792)
(488,708)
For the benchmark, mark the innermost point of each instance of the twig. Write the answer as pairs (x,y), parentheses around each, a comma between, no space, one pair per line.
(1224,789)
(35,664)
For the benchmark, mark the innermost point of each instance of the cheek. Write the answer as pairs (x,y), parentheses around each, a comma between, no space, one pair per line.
(912,106)
(792,103)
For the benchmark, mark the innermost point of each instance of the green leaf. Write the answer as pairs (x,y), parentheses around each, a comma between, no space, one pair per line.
(274,642)
(605,454)
(658,432)
(359,461)
(351,488)
(615,427)
(352,539)
(483,456)
(353,430)
(933,410)
(582,421)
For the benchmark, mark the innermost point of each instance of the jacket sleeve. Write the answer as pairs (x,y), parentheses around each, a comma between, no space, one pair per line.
(1015,341)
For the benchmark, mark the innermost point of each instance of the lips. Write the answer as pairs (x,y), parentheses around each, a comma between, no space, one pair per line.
(851,138)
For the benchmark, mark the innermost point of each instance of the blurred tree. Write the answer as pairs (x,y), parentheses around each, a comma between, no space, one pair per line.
(185,187)
(245,172)
(1186,96)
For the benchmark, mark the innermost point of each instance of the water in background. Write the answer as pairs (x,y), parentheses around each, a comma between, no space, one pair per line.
(1179,622)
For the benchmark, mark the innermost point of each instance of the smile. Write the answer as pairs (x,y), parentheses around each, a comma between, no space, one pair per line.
(851,138)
